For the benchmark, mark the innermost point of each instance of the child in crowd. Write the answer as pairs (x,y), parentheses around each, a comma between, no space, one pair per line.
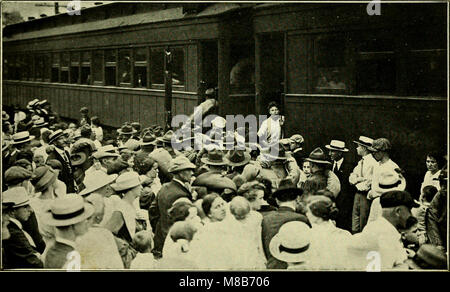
(143,242)
(421,212)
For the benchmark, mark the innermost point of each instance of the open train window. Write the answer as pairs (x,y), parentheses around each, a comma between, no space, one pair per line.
(157,60)
(125,68)
(39,66)
(110,67)
(55,67)
(86,67)
(376,65)
(242,73)
(46,62)
(330,66)
(97,67)
(140,67)
(7,67)
(178,66)
(157,66)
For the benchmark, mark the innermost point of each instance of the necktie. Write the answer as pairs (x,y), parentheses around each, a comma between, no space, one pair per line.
(362,164)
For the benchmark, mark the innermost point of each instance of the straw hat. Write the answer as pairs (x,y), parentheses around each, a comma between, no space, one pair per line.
(126,181)
(103,154)
(68,210)
(17,197)
(126,130)
(43,177)
(364,141)
(291,243)
(337,145)
(98,179)
(55,135)
(180,163)
(21,137)
(390,180)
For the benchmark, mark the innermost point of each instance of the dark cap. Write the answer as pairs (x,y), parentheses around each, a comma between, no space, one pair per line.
(17,174)
(397,198)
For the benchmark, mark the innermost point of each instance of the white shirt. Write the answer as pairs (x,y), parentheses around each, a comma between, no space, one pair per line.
(270,130)
(381,238)
(337,164)
(430,180)
(389,165)
(361,175)
(143,261)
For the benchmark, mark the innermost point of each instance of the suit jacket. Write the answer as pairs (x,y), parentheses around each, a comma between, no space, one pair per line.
(19,253)
(31,226)
(169,193)
(272,221)
(56,256)
(344,201)
(66,174)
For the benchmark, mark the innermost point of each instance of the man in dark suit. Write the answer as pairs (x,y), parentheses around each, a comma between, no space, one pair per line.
(286,197)
(58,140)
(19,249)
(342,169)
(180,186)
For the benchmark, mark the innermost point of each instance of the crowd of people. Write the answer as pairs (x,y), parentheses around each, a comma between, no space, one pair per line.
(74,197)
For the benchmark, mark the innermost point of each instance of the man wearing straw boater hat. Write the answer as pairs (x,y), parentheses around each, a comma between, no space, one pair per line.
(20,249)
(69,215)
(180,186)
(21,147)
(342,169)
(361,179)
(59,140)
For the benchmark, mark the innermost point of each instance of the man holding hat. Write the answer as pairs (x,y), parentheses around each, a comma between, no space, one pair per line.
(20,248)
(69,215)
(383,236)
(180,186)
(285,197)
(58,140)
(361,179)
(342,169)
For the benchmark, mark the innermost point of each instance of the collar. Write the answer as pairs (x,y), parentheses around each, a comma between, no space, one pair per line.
(283,207)
(185,185)
(66,242)
(17,222)
(61,152)
(339,162)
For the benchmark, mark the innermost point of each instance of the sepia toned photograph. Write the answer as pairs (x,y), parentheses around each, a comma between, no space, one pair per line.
(224,136)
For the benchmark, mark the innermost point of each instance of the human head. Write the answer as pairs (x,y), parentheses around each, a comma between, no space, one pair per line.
(86,131)
(435,161)
(19,202)
(44,178)
(143,241)
(396,206)
(45,136)
(128,184)
(306,167)
(380,149)
(240,207)
(214,207)
(95,121)
(59,139)
(315,183)
(320,209)
(182,210)
(17,176)
(5,220)
(273,108)
(254,193)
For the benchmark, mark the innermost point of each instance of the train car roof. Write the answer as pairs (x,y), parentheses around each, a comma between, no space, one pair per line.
(16,32)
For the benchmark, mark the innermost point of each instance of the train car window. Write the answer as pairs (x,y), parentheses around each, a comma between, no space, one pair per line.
(86,67)
(242,73)
(55,67)
(97,67)
(39,66)
(157,66)
(330,65)
(427,59)
(110,67)
(74,67)
(125,67)
(65,60)
(46,73)
(27,67)
(178,66)
(6,67)
(140,67)
(376,65)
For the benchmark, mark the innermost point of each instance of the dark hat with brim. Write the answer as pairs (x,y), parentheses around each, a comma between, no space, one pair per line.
(215,157)
(44,176)
(78,158)
(238,157)
(318,156)
(126,130)
(287,191)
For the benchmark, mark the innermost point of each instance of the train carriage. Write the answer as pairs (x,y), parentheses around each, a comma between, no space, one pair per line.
(337,71)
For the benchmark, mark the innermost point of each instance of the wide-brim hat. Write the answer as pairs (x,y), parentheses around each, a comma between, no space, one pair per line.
(364,141)
(432,256)
(68,210)
(44,176)
(16,197)
(126,130)
(287,187)
(291,243)
(21,137)
(337,145)
(215,157)
(166,138)
(103,154)
(55,135)
(148,140)
(318,156)
(180,163)
(5,116)
(98,179)
(390,181)
(126,181)
(213,180)
(78,158)
(238,157)
(40,123)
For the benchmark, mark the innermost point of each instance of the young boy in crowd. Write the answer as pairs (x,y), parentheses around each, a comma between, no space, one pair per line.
(420,212)
(143,243)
